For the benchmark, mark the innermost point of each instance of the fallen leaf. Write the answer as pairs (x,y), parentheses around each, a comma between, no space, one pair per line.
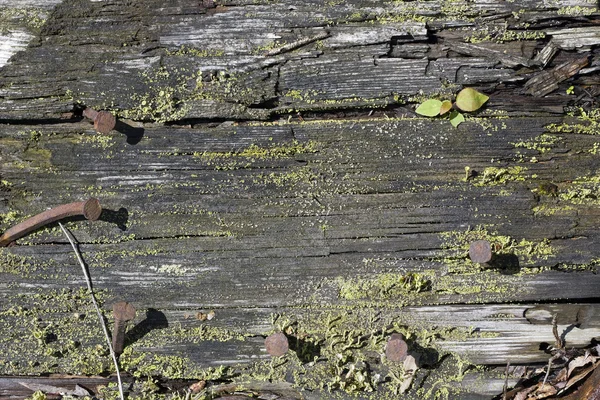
(456,118)
(579,362)
(524,394)
(429,108)
(446,106)
(470,99)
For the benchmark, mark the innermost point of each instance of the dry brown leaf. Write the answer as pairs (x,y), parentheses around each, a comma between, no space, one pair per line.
(524,394)
(545,390)
(579,376)
(198,386)
(561,376)
(580,362)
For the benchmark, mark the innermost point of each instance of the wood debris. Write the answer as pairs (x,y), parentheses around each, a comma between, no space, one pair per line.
(547,81)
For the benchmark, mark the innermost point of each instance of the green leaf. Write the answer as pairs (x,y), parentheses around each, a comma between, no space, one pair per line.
(470,99)
(429,108)
(456,118)
(446,106)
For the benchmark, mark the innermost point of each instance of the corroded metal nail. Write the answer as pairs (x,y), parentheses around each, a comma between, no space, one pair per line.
(480,251)
(123,312)
(90,209)
(277,344)
(104,122)
(396,348)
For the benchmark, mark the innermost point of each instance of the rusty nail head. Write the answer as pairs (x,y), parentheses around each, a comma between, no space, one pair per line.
(123,312)
(480,251)
(277,344)
(104,122)
(396,348)
(90,209)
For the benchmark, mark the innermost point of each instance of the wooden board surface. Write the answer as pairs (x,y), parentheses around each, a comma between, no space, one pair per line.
(268,165)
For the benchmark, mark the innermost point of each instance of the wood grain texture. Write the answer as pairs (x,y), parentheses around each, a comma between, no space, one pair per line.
(268,165)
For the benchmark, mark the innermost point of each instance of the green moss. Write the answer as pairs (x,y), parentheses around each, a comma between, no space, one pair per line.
(458,242)
(492,176)
(60,331)
(577,11)
(191,51)
(163,100)
(383,286)
(542,143)
(580,122)
(582,191)
(17,17)
(254,152)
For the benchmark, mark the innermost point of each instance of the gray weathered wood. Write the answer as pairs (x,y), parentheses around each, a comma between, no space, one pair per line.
(268,165)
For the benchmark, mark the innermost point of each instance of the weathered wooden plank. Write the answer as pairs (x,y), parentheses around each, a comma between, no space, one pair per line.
(318,212)
(229,40)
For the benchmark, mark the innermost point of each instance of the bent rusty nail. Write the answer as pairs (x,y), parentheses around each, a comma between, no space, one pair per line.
(90,209)
(104,122)
(123,313)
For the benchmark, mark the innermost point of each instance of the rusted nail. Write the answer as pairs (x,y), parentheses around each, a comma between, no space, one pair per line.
(104,122)
(123,312)
(90,209)
(396,348)
(480,251)
(277,344)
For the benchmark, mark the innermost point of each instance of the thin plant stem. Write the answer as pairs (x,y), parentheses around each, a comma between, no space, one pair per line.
(88,281)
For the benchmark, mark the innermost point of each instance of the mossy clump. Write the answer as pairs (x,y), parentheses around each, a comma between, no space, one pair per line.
(255,152)
(493,176)
(163,99)
(583,190)
(542,143)
(59,329)
(579,122)
(383,286)
(18,264)
(528,252)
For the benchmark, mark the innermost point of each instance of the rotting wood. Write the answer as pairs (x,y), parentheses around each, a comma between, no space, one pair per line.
(325,198)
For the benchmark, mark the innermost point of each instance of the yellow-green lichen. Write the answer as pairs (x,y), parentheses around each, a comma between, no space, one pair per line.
(492,176)
(583,190)
(12,18)
(162,102)
(383,286)
(192,51)
(577,11)
(255,152)
(303,174)
(542,143)
(59,329)
(457,242)
(580,122)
